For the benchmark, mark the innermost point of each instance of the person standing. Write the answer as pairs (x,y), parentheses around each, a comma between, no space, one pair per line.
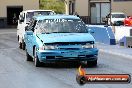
(14,19)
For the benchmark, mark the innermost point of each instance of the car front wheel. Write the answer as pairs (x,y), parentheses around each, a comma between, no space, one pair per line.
(23,45)
(36,60)
(29,58)
(20,45)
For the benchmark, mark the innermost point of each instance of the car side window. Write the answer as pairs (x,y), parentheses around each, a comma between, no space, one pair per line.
(32,25)
(29,27)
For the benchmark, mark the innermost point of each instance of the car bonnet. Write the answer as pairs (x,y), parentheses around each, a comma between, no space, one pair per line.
(65,37)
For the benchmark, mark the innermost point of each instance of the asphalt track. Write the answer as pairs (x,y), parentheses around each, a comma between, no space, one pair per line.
(16,72)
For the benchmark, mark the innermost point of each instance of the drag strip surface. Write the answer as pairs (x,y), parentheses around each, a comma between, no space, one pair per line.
(16,72)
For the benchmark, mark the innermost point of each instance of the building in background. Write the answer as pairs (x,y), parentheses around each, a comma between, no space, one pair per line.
(10,9)
(56,5)
(92,11)
(70,6)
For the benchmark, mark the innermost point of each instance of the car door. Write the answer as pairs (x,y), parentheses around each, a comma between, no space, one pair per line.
(30,37)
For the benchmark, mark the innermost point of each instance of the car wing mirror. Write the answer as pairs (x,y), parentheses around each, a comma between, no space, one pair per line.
(29,32)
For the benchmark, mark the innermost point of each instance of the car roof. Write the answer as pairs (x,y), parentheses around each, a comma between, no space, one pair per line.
(37,10)
(41,17)
(117,13)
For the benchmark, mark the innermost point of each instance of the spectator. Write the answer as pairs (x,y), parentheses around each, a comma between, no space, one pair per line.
(14,19)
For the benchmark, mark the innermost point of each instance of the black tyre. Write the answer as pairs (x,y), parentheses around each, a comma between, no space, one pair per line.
(92,63)
(18,38)
(23,45)
(36,60)
(29,58)
(20,45)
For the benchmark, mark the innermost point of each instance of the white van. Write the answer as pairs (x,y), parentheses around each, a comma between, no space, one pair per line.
(116,17)
(24,20)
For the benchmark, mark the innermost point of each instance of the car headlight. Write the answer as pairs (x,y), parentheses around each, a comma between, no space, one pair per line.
(48,47)
(41,48)
(88,46)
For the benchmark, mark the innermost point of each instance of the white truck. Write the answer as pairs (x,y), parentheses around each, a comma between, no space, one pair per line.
(24,20)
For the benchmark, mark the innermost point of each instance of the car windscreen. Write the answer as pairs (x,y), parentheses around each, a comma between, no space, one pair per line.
(61,26)
(29,15)
(118,16)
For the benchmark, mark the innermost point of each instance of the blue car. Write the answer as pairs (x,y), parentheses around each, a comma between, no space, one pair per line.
(59,38)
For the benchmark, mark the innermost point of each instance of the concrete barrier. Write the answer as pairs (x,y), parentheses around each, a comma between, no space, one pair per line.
(126,42)
(103,34)
(122,31)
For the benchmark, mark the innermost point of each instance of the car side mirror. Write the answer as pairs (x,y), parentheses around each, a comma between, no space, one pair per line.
(29,32)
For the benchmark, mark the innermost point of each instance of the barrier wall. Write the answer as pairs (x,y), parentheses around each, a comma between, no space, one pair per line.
(122,31)
(102,34)
(126,42)
(123,35)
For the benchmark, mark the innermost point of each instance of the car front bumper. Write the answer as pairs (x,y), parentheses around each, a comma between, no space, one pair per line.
(67,55)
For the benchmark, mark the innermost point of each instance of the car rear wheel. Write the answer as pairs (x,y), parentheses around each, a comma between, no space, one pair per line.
(92,63)
(20,45)
(29,58)
(18,38)
(36,60)
(23,45)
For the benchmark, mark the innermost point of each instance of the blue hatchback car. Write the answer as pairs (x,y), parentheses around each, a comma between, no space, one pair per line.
(59,38)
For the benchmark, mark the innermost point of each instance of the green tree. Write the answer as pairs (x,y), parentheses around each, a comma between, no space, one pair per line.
(56,5)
